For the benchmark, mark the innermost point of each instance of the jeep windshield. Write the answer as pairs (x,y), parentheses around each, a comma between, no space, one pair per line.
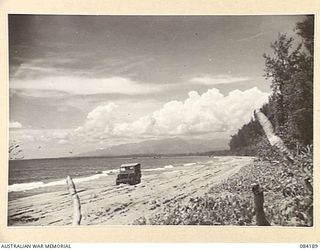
(124,169)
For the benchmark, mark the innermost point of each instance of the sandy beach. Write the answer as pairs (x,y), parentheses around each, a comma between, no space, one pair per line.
(104,203)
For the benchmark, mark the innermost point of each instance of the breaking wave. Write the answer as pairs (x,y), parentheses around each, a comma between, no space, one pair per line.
(39,184)
(158,169)
(189,164)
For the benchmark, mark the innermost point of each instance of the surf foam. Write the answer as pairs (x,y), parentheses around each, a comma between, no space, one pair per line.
(158,169)
(189,164)
(39,184)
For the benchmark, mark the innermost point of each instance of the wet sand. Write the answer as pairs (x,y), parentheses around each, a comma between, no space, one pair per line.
(104,203)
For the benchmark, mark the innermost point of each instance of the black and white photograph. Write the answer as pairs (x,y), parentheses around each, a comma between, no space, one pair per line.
(179,120)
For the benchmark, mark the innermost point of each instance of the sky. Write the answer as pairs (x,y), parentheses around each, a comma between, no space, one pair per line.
(81,83)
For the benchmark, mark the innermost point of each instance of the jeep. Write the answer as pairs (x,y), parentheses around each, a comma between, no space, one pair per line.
(129,174)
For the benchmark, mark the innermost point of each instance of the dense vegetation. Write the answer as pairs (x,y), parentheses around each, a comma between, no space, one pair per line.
(290,106)
(287,202)
(290,110)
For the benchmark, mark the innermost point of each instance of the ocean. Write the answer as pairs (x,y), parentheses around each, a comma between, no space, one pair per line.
(34,176)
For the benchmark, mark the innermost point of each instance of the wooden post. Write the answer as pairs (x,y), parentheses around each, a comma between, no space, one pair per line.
(258,206)
(273,139)
(76,202)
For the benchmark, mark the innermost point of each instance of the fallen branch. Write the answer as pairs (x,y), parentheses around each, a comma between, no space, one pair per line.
(76,202)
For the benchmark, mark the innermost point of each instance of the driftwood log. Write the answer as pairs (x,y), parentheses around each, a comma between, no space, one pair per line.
(76,202)
(258,206)
(273,139)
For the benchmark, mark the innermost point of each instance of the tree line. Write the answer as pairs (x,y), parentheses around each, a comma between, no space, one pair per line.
(290,105)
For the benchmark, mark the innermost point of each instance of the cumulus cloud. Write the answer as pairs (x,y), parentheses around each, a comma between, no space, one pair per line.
(83,86)
(100,120)
(15,125)
(218,79)
(207,113)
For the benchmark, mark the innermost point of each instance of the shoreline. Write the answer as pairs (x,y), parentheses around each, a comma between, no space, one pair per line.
(34,186)
(104,203)
(30,184)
